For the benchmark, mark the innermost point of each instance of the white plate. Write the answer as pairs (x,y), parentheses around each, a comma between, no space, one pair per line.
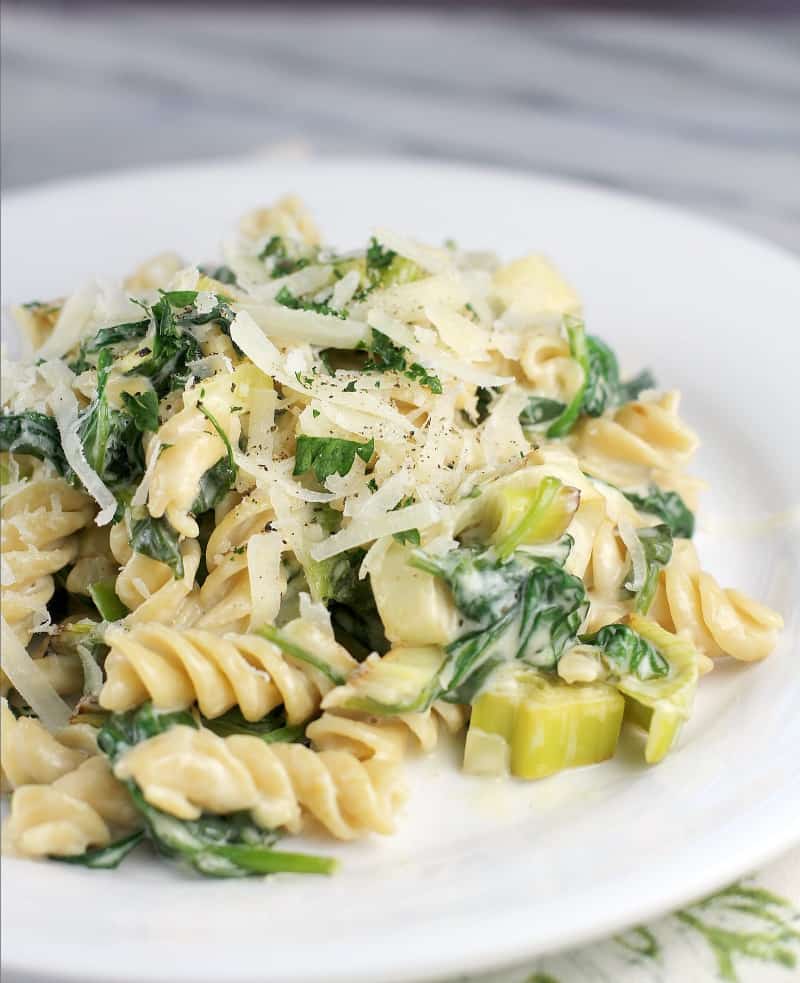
(480,874)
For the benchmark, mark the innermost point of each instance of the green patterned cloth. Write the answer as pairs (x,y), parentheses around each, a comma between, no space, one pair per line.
(747,933)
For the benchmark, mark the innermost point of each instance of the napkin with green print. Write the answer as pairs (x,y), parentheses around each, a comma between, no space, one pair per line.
(747,933)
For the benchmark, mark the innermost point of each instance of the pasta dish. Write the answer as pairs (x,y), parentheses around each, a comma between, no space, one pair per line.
(273,526)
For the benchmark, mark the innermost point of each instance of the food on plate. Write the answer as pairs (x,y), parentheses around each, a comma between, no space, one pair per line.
(270,527)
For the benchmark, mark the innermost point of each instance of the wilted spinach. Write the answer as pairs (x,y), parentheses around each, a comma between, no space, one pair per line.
(35,434)
(668,506)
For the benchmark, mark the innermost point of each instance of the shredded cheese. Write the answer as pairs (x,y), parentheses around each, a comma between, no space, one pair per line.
(30,682)
(267,582)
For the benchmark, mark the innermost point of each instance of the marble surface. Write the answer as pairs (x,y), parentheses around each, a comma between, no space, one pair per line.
(704,113)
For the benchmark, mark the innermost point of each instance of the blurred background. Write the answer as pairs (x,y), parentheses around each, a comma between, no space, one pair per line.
(692,103)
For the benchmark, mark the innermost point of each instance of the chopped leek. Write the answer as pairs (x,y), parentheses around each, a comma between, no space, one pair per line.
(405,680)
(534,725)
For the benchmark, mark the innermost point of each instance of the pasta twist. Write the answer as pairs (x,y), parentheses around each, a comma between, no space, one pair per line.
(642,441)
(186,772)
(719,621)
(40,517)
(549,367)
(187,446)
(176,668)
(149,588)
(94,561)
(225,596)
(83,809)
(371,739)
(31,755)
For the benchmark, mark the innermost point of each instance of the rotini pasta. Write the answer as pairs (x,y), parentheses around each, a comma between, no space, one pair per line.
(175,669)
(185,772)
(718,621)
(83,809)
(274,524)
(40,517)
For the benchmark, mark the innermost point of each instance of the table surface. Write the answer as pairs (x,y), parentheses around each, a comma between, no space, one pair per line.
(701,112)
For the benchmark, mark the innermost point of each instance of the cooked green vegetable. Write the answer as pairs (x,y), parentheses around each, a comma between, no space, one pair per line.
(533,725)
(626,653)
(217,846)
(110,438)
(405,680)
(601,388)
(272,729)
(156,538)
(35,434)
(385,267)
(220,477)
(525,608)
(539,410)
(283,262)
(660,705)
(532,516)
(386,356)
(143,408)
(286,298)
(668,506)
(657,545)
(329,455)
(106,601)
(173,346)
(107,857)
(288,647)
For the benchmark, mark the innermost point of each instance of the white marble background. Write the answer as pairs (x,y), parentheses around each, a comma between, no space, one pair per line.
(701,112)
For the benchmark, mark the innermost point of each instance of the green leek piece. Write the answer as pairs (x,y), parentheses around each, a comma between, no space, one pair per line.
(534,725)
(405,680)
(660,705)
(531,516)
(106,601)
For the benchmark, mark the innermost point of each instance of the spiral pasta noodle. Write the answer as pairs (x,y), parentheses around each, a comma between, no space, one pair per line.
(149,588)
(225,596)
(31,755)
(385,740)
(188,445)
(40,519)
(642,441)
(719,621)
(175,669)
(83,809)
(186,772)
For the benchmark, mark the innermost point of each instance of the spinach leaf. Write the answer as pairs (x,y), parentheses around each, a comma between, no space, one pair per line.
(282,262)
(122,731)
(173,347)
(217,846)
(143,408)
(388,357)
(271,729)
(567,419)
(626,653)
(107,857)
(483,403)
(350,601)
(668,506)
(157,539)
(410,536)
(601,388)
(628,391)
(286,298)
(378,258)
(35,434)
(220,477)
(110,438)
(657,544)
(222,274)
(288,647)
(540,410)
(329,455)
(222,846)
(107,337)
(526,608)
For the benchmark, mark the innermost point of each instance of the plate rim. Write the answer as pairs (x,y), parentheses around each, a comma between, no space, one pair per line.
(775,827)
